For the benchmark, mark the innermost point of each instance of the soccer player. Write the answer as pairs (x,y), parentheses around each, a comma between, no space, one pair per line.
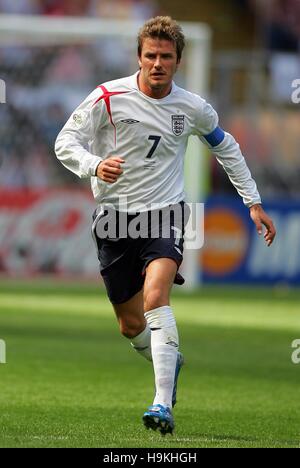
(129,137)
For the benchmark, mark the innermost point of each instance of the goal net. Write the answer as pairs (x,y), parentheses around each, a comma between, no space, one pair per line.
(47,67)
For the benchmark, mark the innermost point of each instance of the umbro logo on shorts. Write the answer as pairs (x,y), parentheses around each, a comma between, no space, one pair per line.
(178,250)
(130,121)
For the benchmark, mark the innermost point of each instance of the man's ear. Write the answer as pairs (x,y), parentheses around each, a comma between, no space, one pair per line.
(139,62)
(177,64)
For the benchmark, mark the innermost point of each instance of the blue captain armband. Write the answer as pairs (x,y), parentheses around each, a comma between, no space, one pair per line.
(216,137)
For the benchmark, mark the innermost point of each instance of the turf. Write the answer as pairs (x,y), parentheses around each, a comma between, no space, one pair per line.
(72,381)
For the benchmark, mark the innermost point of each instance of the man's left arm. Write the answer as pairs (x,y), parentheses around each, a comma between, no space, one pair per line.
(229,155)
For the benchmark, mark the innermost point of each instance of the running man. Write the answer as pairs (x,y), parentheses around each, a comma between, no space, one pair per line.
(129,137)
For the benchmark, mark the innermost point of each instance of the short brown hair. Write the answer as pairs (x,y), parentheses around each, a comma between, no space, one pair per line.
(162,27)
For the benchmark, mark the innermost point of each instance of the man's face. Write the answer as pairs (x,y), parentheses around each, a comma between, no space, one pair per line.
(158,63)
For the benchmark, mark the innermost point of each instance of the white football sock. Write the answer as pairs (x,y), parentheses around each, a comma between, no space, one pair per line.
(164,346)
(142,343)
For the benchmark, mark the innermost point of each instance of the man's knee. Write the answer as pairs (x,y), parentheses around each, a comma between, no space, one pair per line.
(160,275)
(131,328)
(154,298)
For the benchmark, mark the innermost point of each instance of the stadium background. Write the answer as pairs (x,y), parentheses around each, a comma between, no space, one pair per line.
(46,252)
(253,64)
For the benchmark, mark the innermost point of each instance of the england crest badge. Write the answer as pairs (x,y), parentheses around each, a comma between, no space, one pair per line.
(177,124)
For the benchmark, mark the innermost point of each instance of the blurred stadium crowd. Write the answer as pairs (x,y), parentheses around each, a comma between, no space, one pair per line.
(253,92)
(134,9)
(279,22)
(43,89)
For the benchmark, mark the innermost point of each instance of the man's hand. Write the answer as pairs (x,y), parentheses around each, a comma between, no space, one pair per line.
(110,170)
(259,217)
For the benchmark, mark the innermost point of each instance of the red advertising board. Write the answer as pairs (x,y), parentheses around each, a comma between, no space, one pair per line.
(47,231)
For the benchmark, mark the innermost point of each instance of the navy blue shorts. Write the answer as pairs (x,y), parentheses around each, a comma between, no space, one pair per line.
(126,244)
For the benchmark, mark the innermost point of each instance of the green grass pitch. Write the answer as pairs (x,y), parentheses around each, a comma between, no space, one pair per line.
(71,380)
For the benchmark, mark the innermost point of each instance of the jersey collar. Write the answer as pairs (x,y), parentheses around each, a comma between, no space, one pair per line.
(134,84)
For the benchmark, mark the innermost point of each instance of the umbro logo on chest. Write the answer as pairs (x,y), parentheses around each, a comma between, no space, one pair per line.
(130,121)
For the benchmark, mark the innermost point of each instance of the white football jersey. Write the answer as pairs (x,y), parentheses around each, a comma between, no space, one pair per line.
(151,135)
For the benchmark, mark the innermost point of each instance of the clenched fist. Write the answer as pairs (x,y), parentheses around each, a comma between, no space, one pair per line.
(110,170)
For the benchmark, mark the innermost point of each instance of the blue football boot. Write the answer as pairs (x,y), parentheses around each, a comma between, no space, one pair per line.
(159,417)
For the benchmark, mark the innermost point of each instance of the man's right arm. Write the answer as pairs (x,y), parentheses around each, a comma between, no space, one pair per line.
(71,146)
